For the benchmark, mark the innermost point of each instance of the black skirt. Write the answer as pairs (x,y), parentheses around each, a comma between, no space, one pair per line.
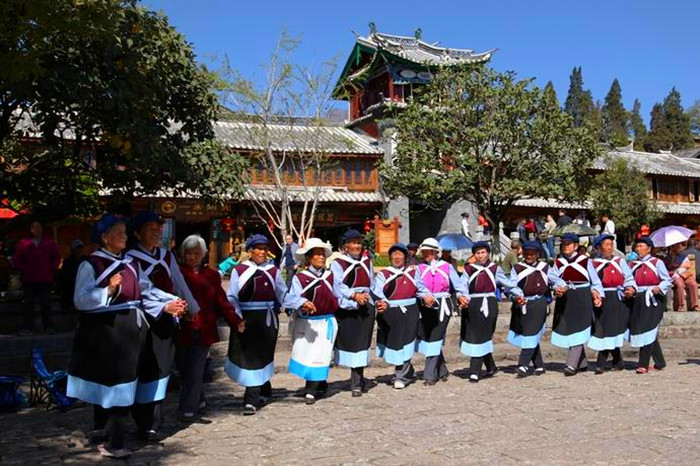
(526,329)
(476,331)
(432,330)
(573,317)
(645,320)
(355,329)
(104,363)
(396,333)
(251,354)
(610,324)
(157,358)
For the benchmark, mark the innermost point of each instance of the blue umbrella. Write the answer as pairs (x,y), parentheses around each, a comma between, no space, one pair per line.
(454,241)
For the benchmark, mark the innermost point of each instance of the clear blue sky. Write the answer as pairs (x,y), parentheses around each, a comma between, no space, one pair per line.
(648,45)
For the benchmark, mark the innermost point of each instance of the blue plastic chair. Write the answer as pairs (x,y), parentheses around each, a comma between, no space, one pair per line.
(11,397)
(47,386)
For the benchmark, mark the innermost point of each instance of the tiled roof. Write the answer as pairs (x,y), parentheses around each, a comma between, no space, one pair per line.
(655,164)
(327,194)
(298,137)
(692,153)
(684,208)
(417,51)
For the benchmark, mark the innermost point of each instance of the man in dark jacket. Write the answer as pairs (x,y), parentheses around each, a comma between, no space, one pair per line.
(69,270)
(37,259)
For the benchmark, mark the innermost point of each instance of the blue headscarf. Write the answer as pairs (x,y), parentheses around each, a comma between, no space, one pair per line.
(103,225)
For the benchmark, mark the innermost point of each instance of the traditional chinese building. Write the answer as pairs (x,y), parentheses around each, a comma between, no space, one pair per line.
(381,72)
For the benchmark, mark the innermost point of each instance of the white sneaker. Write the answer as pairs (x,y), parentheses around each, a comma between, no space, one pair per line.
(113,452)
(310,399)
(249,410)
(398,385)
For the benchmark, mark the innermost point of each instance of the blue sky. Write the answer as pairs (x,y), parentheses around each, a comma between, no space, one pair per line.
(649,46)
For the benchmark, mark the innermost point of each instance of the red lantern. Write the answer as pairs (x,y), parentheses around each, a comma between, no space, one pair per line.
(368,226)
(228,223)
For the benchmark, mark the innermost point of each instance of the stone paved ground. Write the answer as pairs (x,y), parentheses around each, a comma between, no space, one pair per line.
(615,418)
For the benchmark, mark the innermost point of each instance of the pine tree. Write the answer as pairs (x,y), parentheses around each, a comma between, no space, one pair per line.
(614,118)
(579,103)
(669,128)
(637,126)
(550,93)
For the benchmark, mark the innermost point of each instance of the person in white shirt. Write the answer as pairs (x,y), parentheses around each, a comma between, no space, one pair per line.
(608,225)
(465,224)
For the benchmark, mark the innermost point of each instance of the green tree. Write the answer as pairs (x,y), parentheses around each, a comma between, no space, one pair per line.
(117,100)
(579,102)
(614,118)
(669,128)
(637,127)
(486,137)
(622,192)
(694,115)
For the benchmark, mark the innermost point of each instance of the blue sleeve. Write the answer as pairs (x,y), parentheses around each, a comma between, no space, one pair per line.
(280,287)
(458,283)
(232,292)
(595,280)
(554,279)
(293,299)
(629,277)
(88,295)
(341,290)
(666,282)
(504,281)
(423,290)
(377,290)
(514,279)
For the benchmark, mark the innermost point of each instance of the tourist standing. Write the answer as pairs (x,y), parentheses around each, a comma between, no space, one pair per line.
(37,258)
(289,263)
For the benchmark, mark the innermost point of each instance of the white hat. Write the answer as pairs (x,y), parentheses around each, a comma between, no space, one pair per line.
(310,244)
(429,244)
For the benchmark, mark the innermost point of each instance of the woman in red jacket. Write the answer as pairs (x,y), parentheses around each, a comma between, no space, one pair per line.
(200,332)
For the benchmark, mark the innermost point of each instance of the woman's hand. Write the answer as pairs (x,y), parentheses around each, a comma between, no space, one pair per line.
(382,306)
(429,300)
(241,327)
(360,298)
(308,307)
(463,301)
(176,307)
(114,282)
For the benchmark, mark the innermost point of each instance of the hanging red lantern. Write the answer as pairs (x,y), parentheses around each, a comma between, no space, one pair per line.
(368,226)
(228,223)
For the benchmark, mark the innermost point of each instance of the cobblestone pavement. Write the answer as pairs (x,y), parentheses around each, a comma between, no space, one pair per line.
(612,418)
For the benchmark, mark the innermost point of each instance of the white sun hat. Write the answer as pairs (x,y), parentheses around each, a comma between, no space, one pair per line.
(429,244)
(310,244)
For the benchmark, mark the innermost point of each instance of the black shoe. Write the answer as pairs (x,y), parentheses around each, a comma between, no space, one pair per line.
(599,370)
(356,393)
(474,378)
(249,410)
(491,373)
(522,372)
(148,435)
(569,371)
(583,369)
(430,383)
(620,366)
(444,378)
(540,371)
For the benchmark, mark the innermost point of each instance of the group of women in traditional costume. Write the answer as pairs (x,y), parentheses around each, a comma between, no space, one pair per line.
(137,304)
